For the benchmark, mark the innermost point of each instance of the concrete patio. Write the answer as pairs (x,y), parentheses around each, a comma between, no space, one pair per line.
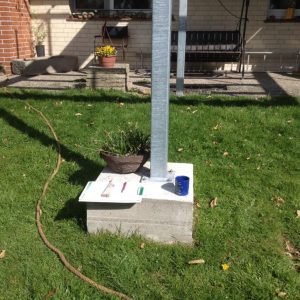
(254,84)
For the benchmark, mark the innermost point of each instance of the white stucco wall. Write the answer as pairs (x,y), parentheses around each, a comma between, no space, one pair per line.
(76,38)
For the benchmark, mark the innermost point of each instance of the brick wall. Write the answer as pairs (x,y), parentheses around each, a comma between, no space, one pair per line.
(15,32)
(76,38)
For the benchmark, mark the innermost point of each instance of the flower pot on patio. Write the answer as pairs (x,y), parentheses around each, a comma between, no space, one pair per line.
(40,33)
(107,55)
(40,50)
(107,61)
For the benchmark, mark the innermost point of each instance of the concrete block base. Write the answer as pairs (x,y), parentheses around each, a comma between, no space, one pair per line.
(161,215)
(116,77)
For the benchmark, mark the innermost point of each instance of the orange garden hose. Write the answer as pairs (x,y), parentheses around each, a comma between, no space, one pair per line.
(38,214)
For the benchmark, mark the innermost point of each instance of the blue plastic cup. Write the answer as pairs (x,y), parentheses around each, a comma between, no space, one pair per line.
(182,185)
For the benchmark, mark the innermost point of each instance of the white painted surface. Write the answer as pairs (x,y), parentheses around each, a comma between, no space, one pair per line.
(95,190)
(164,191)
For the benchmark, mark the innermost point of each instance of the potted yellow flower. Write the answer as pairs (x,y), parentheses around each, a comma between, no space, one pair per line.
(107,55)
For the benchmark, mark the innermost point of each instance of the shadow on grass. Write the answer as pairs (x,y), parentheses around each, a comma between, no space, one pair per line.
(131,98)
(73,210)
(88,168)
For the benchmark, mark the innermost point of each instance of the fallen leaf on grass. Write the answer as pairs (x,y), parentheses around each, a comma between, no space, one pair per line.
(179,149)
(291,250)
(209,163)
(198,205)
(279,201)
(214,202)
(78,114)
(56,103)
(197,262)
(298,213)
(2,254)
(217,127)
(225,267)
(281,294)
(142,245)
(193,112)
(50,294)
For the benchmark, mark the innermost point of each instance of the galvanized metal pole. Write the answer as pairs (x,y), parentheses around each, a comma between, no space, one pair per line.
(181,47)
(161,44)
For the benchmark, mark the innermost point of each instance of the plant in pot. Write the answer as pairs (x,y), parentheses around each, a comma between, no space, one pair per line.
(126,150)
(40,34)
(107,55)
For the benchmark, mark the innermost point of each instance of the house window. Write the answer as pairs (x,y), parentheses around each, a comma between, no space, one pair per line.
(284,4)
(89,4)
(278,9)
(112,4)
(132,4)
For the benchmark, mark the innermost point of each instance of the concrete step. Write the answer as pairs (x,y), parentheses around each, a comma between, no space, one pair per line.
(45,65)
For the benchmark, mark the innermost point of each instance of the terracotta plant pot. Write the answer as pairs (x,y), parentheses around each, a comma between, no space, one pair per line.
(107,61)
(124,164)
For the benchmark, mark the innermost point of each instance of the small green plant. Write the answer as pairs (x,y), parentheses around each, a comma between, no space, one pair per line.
(127,141)
(39,31)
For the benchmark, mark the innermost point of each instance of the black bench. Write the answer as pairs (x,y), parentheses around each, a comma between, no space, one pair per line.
(209,46)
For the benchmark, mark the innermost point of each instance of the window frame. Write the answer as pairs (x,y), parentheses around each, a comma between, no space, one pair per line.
(108,6)
(283,8)
(280,13)
(75,8)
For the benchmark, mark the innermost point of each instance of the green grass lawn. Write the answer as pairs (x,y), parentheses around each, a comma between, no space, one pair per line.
(247,229)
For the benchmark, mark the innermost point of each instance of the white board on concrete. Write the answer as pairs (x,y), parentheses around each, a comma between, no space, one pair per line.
(111,191)
(161,215)
(136,181)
